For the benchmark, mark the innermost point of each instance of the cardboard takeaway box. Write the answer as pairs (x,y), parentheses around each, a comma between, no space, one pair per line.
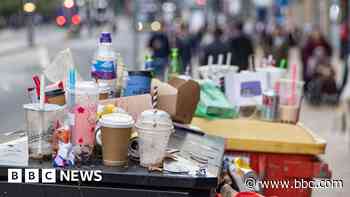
(134,105)
(178,97)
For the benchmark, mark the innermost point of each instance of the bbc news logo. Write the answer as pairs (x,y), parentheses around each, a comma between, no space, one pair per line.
(52,175)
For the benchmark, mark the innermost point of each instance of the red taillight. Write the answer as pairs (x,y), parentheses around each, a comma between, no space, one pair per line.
(60,20)
(76,19)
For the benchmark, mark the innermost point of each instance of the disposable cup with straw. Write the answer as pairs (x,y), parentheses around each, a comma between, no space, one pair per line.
(41,121)
(290,93)
(154,128)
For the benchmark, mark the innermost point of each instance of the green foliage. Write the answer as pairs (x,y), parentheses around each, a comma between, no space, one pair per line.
(9,7)
(47,7)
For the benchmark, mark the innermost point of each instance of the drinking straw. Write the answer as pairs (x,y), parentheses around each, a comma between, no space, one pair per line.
(293,88)
(37,85)
(277,87)
(71,84)
(210,60)
(228,58)
(42,92)
(283,64)
(220,59)
(155,103)
(252,63)
(155,97)
(270,60)
(42,106)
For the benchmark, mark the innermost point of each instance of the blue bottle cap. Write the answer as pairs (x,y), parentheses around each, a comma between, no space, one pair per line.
(106,37)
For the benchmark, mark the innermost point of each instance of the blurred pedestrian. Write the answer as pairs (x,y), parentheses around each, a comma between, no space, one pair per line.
(240,46)
(344,40)
(183,43)
(160,48)
(277,44)
(314,43)
(214,48)
(319,74)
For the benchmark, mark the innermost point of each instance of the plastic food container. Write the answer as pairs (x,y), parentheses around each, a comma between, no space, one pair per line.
(154,128)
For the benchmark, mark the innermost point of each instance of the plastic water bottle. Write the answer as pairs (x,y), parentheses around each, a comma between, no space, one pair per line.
(148,62)
(104,65)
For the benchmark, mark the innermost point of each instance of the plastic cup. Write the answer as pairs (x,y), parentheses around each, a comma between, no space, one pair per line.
(82,115)
(290,97)
(104,90)
(273,74)
(154,130)
(40,125)
(115,134)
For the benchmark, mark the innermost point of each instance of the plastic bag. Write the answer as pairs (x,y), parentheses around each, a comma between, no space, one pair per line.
(57,70)
(213,103)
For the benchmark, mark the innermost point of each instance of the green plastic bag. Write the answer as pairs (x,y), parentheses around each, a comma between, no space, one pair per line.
(213,103)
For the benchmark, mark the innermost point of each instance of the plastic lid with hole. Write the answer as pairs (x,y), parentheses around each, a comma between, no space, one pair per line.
(47,107)
(117,120)
(86,87)
(154,120)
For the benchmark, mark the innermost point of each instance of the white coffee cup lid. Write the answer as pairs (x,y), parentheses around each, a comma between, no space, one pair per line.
(116,120)
(47,107)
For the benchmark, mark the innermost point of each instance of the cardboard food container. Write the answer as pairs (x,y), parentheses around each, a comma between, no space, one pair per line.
(134,105)
(56,97)
(179,97)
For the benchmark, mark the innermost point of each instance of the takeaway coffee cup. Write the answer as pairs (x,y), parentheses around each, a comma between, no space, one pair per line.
(115,133)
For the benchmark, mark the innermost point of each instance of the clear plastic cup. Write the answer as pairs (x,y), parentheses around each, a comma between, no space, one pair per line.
(40,125)
(154,129)
(290,98)
(82,102)
(273,74)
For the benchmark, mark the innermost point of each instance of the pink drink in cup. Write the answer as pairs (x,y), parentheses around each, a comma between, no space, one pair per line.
(83,120)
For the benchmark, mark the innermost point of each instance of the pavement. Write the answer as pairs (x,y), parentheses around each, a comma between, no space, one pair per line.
(18,63)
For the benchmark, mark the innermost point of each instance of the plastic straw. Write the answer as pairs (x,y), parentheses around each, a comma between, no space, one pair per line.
(71,84)
(252,62)
(37,85)
(270,60)
(220,59)
(42,92)
(228,58)
(293,89)
(210,60)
